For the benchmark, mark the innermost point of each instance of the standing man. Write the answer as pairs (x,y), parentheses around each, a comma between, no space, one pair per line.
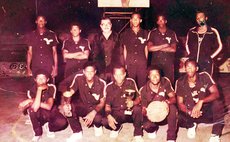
(107,51)
(120,108)
(203,43)
(88,103)
(162,43)
(159,88)
(198,101)
(42,52)
(41,108)
(135,52)
(75,51)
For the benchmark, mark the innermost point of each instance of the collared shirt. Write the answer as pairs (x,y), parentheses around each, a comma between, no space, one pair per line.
(73,47)
(135,46)
(202,46)
(90,97)
(50,92)
(42,52)
(107,51)
(192,95)
(147,95)
(115,95)
(157,38)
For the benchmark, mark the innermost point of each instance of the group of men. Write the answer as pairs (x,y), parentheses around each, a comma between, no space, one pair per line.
(117,86)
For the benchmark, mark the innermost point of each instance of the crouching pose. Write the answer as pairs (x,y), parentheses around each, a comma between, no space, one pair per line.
(158,103)
(41,109)
(122,104)
(198,101)
(88,101)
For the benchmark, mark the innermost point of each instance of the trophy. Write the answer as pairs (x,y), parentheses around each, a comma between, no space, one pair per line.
(129,95)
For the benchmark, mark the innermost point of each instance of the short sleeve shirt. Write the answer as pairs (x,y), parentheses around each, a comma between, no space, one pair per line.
(42,52)
(115,95)
(50,92)
(147,95)
(135,46)
(90,97)
(192,95)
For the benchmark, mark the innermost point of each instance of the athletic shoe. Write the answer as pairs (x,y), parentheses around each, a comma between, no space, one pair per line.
(36,138)
(191,134)
(74,137)
(98,131)
(152,135)
(171,141)
(114,134)
(47,130)
(214,138)
(138,139)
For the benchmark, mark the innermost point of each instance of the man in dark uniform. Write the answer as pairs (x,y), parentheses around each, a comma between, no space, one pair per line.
(198,101)
(41,109)
(42,52)
(119,107)
(159,88)
(75,51)
(88,104)
(162,43)
(107,51)
(135,52)
(203,43)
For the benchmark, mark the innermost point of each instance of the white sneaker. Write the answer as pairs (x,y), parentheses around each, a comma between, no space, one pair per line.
(47,130)
(152,135)
(98,131)
(74,137)
(191,133)
(214,138)
(36,138)
(138,139)
(171,141)
(114,134)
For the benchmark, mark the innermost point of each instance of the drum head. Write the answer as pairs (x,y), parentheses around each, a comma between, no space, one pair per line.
(157,111)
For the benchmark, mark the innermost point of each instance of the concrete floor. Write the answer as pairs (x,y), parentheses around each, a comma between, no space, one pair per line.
(14,129)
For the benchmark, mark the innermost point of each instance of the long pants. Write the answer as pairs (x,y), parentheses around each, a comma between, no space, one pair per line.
(80,110)
(172,120)
(211,113)
(138,73)
(120,117)
(206,65)
(56,121)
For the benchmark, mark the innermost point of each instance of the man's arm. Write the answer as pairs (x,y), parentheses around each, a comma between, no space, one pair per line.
(77,55)
(101,105)
(170,48)
(146,52)
(172,98)
(29,59)
(220,46)
(181,105)
(154,48)
(55,58)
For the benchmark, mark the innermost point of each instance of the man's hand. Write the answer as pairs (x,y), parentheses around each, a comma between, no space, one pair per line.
(67,110)
(42,87)
(88,119)
(112,122)
(24,104)
(196,113)
(29,72)
(54,71)
(67,94)
(144,111)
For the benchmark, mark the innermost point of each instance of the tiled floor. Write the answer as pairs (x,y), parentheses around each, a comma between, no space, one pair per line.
(14,129)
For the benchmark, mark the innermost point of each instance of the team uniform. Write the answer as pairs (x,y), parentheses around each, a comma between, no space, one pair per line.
(211,112)
(42,52)
(115,97)
(56,121)
(164,59)
(202,46)
(86,99)
(147,96)
(136,60)
(75,65)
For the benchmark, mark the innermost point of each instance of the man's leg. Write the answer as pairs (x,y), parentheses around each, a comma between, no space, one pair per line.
(172,123)
(137,121)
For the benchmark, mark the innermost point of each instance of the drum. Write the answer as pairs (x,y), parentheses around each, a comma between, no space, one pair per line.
(157,111)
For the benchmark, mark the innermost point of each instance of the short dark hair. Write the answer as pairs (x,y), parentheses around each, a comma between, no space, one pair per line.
(90,64)
(155,67)
(105,18)
(202,11)
(75,24)
(119,66)
(134,13)
(161,14)
(193,60)
(41,71)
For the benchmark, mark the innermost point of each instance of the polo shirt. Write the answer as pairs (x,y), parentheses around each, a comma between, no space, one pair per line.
(50,92)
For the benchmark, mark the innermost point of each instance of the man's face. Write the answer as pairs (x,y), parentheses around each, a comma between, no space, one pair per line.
(75,31)
(89,73)
(154,77)
(41,22)
(106,25)
(201,19)
(119,75)
(41,79)
(161,21)
(135,20)
(191,69)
